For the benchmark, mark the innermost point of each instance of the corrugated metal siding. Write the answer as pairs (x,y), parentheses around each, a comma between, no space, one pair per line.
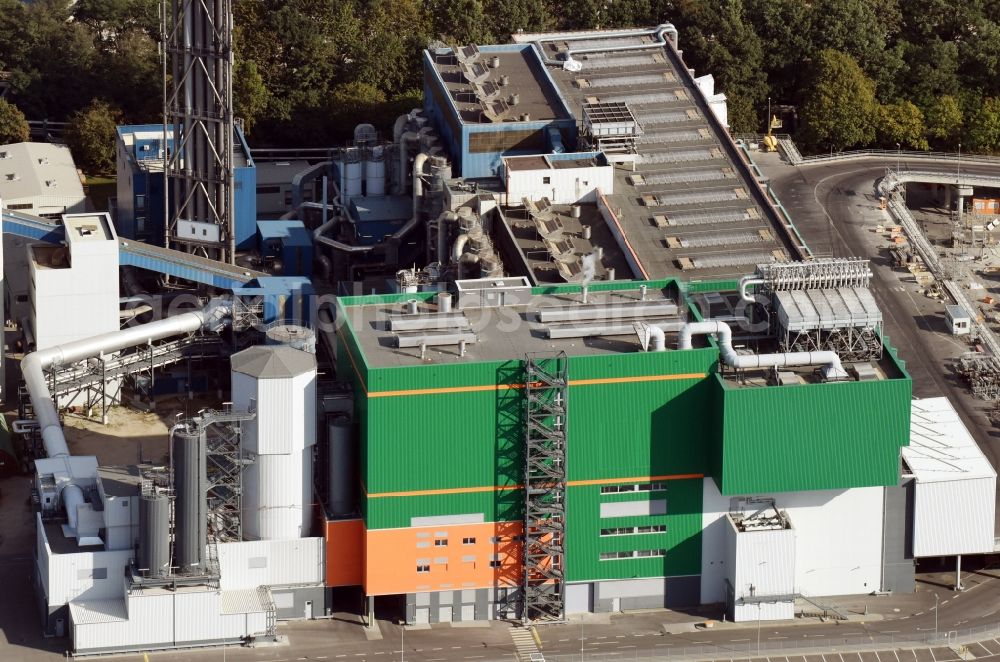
(394,512)
(197,616)
(682,539)
(811,437)
(277,492)
(150,624)
(69,575)
(954,517)
(298,561)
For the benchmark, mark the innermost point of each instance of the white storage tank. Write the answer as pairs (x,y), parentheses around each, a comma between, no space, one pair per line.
(375,172)
(279,383)
(352,173)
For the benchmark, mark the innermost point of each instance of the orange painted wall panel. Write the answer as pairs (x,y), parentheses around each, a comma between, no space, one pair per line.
(392,557)
(345,552)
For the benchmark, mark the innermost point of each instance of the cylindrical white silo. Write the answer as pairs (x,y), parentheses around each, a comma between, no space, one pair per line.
(352,176)
(375,172)
(279,383)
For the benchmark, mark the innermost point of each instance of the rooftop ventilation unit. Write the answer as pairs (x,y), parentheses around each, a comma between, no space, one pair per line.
(475,72)
(467,54)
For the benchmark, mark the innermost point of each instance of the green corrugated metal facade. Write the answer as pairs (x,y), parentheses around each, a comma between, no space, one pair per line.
(661,414)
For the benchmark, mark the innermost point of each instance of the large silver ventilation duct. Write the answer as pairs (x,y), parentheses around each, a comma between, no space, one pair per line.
(34,365)
(832,369)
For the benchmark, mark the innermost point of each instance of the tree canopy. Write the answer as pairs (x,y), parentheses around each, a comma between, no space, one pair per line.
(933,65)
(13,125)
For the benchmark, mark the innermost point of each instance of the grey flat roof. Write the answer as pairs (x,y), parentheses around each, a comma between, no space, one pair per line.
(272,362)
(535,94)
(687,184)
(38,169)
(502,333)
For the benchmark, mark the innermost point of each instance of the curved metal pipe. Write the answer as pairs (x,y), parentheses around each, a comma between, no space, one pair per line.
(657,338)
(459,247)
(830,360)
(745,283)
(408,138)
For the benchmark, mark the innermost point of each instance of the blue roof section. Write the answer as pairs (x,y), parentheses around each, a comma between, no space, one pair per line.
(289,232)
(144,256)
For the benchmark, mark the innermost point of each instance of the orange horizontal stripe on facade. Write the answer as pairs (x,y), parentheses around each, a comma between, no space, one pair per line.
(503,488)
(500,387)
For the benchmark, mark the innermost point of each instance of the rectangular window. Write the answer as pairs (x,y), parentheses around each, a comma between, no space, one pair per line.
(27,205)
(634,508)
(636,487)
(140,224)
(635,554)
(257,562)
(423,568)
(468,541)
(495,563)
(633,530)
(546,180)
(441,542)
(265,190)
(140,202)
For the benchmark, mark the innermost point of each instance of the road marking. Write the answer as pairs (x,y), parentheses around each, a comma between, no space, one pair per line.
(567,640)
(769,638)
(919,613)
(474,657)
(619,636)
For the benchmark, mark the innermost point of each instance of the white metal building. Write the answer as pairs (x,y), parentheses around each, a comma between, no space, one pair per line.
(760,567)
(959,320)
(564,179)
(293,570)
(279,383)
(955,491)
(40,179)
(77,282)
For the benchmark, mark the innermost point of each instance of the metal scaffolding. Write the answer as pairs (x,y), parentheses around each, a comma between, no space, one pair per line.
(96,384)
(546,389)
(982,373)
(226,463)
(198,106)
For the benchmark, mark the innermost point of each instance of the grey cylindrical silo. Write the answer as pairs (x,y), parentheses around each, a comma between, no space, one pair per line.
(154,535)
(340,471)
(190,504)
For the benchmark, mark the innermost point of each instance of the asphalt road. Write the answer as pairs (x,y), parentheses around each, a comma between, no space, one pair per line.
(824,202)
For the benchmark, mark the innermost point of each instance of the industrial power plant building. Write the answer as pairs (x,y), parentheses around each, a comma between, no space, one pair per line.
(614,378)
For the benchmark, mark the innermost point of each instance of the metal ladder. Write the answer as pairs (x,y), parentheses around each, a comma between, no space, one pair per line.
(546,390)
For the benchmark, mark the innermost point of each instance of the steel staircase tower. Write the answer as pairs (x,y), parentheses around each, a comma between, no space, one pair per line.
(544,590)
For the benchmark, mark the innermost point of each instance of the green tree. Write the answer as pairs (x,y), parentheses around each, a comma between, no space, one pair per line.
(839,107)
(722,43)
(250,95)
(901,123)
(13,125)
(944,121)
(91,137)
(461,21)
(509,16)
(984,127)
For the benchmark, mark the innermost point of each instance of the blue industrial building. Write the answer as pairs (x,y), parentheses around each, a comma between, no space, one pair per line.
(287,242)
(139,208)
(494,101)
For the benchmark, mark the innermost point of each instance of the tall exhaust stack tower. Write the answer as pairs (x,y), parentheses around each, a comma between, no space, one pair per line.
(198,110)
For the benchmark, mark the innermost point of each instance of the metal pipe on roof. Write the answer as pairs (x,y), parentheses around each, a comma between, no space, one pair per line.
(659,31)
(745,283)
(658,339)
(832,368)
